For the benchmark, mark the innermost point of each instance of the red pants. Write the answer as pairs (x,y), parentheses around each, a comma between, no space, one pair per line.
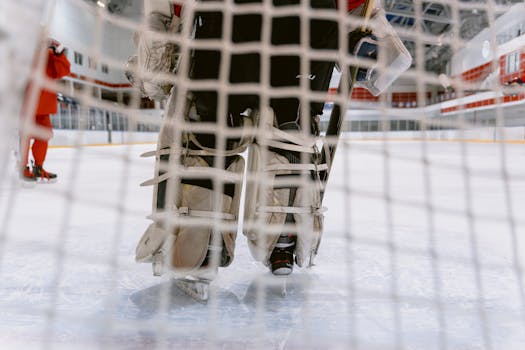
(44,132)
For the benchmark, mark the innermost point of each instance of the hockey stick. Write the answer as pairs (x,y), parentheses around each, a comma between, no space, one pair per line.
(335,121)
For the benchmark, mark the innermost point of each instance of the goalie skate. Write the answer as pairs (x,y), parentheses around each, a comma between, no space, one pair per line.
(195,287)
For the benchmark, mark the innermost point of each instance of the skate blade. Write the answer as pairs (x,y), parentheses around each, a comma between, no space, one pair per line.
(282,271)
(196,289)
(41,181)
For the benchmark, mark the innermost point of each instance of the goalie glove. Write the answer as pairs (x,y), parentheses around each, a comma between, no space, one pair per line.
(155,90)
(384,46)
(156,57)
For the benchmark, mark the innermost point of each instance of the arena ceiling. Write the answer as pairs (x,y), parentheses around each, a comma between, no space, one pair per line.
(438,19)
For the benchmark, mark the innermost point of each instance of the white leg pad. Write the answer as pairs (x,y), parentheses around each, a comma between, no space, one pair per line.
(310,225)
(260,192)
(184,247)
(266,208)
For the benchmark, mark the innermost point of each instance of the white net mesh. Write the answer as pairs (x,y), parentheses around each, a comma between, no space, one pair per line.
(422,243)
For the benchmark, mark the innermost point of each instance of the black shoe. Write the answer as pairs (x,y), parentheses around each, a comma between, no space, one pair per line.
(40,173)
(281,259)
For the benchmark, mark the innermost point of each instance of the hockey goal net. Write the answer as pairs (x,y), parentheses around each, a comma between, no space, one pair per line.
(422,243)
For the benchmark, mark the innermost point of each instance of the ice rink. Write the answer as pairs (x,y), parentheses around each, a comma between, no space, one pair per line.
(421,248)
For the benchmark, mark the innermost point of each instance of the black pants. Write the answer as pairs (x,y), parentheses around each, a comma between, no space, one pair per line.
(285,70)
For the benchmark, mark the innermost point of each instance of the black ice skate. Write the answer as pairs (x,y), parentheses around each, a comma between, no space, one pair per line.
(43,175)
(281,259)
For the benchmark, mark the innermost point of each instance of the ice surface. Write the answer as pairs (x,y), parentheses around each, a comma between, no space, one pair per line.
(419,252)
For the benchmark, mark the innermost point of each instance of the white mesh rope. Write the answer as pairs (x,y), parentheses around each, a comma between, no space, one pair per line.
(422,245)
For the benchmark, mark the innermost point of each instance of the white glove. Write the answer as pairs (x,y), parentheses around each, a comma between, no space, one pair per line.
(155,57)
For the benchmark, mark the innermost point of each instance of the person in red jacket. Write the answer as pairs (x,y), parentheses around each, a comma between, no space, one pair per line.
(57,66)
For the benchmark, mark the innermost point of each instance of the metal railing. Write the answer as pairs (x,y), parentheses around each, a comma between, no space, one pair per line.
(72,116)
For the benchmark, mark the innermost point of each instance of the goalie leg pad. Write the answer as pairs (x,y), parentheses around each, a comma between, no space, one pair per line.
(268,206)
(191,243)
(275,192)
(186,247)
(261,243)
(310,225)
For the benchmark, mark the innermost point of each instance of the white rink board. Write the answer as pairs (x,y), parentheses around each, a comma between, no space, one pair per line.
(69,279)
(96,137)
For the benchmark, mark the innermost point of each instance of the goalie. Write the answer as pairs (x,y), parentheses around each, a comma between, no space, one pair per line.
(229,97)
